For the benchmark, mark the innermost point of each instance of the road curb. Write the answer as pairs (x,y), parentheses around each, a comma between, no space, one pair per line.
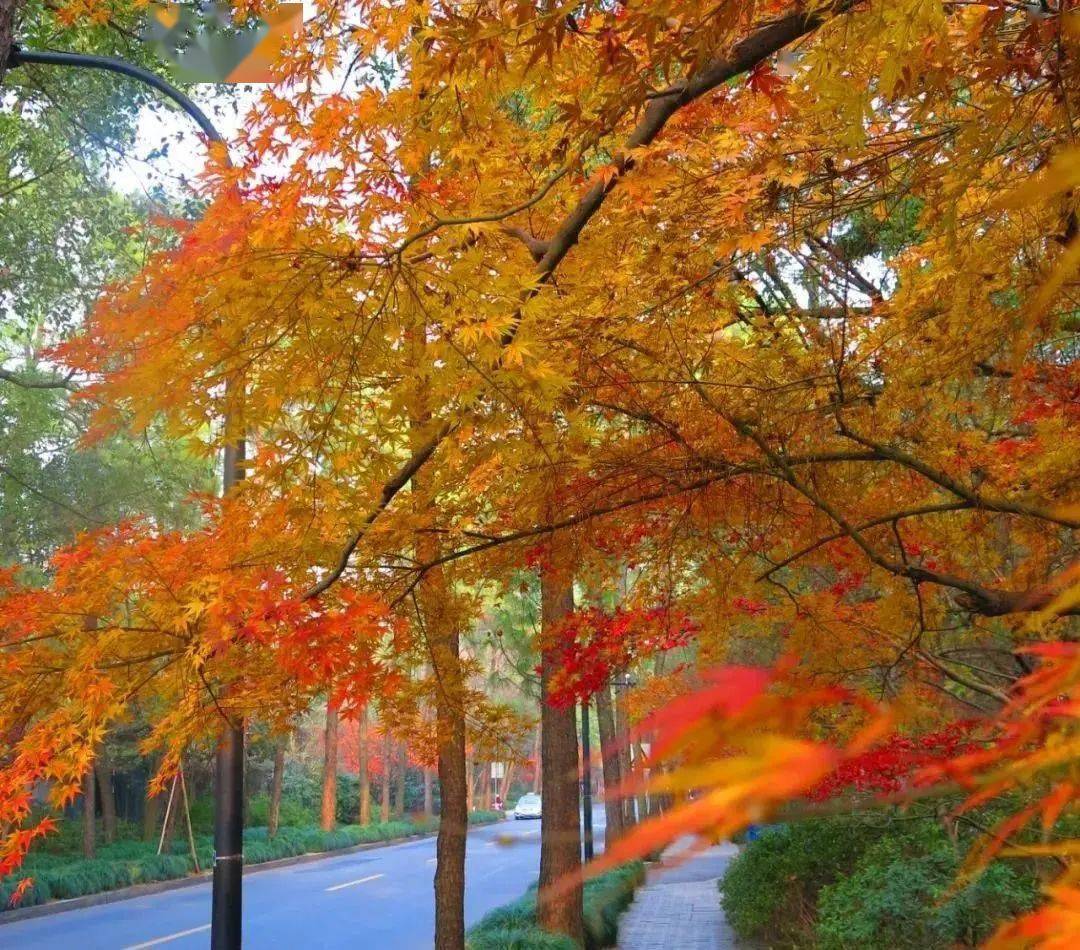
(192,880)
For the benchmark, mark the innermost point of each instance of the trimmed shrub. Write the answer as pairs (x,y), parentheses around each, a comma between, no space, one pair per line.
(605,898)
(528,938)
(770,889)
(901,895)
(480,816)
(863,883)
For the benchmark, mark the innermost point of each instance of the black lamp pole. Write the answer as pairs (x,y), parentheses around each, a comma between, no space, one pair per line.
(229,764)
(18,57)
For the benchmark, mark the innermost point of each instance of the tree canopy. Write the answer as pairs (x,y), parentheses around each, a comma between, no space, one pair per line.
(755,320)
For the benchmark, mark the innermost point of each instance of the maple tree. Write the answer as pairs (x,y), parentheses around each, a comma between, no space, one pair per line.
(768,306)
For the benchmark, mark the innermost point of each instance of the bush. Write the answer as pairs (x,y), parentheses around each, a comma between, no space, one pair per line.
(292,813)
(900,895)
(480,817)
(528,938)
(853,883)
(605,898)
(770,890)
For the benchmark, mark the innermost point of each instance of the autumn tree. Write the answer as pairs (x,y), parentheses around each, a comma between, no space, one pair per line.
(771,300)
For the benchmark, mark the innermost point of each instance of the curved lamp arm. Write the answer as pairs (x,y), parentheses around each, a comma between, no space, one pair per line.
(18,57)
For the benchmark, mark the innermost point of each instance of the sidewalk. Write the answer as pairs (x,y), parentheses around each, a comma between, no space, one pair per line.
(678,908)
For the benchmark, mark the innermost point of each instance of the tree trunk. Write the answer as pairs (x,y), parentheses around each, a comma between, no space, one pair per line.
(507,781)
(365,772)
(485,785)
(103,769)
(609,757)
(329,782)
(384,803)
(89,813)
(8,9)
(403,766)
(429,804)
(274,816)
(622,746)
(434,597)
(558,907)
(151,817)
(454,811)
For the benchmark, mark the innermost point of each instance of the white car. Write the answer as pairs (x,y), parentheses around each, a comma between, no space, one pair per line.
(528,806)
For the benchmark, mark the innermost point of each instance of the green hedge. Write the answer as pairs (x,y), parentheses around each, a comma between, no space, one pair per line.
(514,927)
(481,817)
(866,883)
(903,894)
(770,889)
(124,863)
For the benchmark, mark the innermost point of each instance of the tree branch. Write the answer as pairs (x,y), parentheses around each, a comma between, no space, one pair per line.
(745,55)
(26,382)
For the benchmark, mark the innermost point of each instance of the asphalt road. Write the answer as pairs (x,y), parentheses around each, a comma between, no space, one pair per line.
(379,898)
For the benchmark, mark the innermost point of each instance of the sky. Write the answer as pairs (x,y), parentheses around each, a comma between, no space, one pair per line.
(146,167)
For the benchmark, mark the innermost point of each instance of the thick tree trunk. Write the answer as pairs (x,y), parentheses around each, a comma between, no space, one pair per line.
(276,781)
(89,813)
(8,9)
(609,756)
(384,801)
(328,817)
(454,811)
(558,909)
(103,769)
(365,772)
(403,766)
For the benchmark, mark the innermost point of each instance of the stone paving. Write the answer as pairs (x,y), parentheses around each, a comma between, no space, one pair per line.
(678,907)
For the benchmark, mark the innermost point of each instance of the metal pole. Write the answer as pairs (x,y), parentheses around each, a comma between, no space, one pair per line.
(19,56)
(586,781)
(226,913)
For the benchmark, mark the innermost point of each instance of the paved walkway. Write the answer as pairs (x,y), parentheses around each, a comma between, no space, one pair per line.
(678,908)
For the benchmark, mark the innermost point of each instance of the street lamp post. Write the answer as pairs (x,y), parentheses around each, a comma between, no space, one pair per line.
(226,912)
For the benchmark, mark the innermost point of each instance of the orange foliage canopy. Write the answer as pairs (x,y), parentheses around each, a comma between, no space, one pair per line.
(770,306)
(188,627)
